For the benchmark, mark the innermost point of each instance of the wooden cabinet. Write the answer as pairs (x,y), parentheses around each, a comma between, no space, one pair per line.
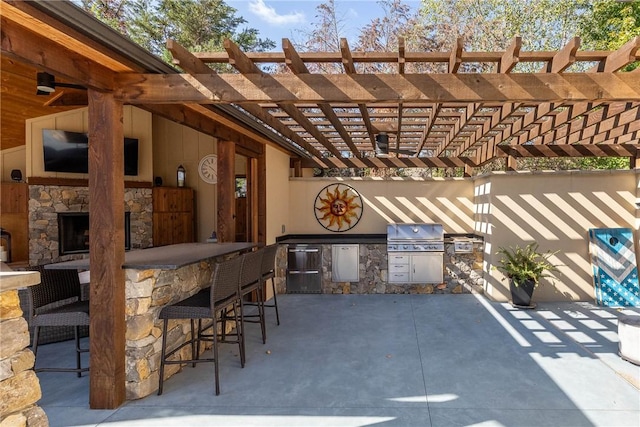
(14,218)
(173,216)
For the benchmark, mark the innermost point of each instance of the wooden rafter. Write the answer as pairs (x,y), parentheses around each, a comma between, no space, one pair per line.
(452,114)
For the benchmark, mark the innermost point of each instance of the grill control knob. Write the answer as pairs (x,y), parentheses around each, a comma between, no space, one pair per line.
(405,246)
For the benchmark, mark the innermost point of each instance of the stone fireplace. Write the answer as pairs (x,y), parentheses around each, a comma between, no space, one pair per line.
(73,232)
(52,207)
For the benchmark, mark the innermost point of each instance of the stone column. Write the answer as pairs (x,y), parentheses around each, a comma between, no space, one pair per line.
(19,386)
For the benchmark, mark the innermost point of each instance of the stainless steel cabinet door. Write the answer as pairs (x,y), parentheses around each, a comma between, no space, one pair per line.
(345,263)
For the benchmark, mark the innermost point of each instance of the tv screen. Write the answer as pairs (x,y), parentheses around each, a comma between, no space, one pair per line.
(69,152)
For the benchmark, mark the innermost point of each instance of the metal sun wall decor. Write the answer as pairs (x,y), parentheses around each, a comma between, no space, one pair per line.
(338,207)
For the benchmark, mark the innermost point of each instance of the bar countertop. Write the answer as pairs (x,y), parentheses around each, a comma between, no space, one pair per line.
(168,257)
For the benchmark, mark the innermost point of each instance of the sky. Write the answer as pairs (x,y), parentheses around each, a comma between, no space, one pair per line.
(276,19)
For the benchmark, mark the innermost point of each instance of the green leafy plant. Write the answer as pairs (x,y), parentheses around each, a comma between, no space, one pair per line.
(525,263)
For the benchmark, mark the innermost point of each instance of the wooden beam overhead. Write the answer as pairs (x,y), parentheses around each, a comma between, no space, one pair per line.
(511,56)
(253,86)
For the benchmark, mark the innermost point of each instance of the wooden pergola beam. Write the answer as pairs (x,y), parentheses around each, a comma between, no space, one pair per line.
(408,162)
(248,69)
(252,87)
(583,150)
(296,65)
(392,57)
(564,58)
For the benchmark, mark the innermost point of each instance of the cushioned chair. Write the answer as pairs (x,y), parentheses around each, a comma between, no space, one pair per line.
(57,301)
(207,305)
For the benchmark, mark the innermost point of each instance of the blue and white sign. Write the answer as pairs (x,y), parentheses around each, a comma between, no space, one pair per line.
(615,274)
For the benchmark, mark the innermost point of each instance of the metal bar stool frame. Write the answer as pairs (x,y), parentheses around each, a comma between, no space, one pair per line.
(208,304)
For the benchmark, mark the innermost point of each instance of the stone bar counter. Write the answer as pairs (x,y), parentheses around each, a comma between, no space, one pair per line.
(157,277)
(19,385)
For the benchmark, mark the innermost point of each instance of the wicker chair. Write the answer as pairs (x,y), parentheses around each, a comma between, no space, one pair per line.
(251,284)
(208,304)
(56,302)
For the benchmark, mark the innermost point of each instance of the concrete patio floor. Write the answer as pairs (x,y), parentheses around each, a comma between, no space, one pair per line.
(390,360)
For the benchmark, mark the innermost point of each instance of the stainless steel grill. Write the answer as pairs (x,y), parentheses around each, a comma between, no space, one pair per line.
(415,253)
(424,237)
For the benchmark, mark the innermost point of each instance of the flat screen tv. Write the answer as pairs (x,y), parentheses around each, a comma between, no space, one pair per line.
(69,152)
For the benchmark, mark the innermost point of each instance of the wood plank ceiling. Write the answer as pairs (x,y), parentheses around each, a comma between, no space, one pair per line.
(450,117)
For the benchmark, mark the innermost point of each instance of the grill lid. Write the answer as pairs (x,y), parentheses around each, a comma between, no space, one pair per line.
(415,232)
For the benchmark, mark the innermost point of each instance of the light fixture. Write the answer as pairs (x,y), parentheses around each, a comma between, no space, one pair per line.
(382,144)
(46,84)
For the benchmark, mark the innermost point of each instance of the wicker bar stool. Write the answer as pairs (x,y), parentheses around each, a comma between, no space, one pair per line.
(57,301)
(208,304)
(250,283)
(267,272)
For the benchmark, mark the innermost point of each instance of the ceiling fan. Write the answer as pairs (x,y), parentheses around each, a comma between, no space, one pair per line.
(382,146)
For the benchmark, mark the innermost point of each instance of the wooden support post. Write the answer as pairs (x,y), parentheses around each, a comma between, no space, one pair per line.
(634,162)
(467,171)
(261,175)
(512,163)
(106,252)
(226,191)
(297,168)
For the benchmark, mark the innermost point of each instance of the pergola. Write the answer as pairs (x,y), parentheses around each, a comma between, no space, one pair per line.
(444,118)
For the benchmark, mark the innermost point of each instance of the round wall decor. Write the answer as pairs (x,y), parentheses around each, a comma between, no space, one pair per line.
(338,207)
(208,168)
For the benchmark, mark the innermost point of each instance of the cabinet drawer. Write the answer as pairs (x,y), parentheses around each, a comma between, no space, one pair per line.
(398,277)
(398,268)
(398,259)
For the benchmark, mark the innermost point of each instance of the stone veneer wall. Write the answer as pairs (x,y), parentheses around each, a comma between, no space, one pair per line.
(19,385)
(46,201)
(147,291)
(462,273)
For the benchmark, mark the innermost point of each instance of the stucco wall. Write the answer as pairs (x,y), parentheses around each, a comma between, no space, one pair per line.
(448,201)
(555,209)
(278,200)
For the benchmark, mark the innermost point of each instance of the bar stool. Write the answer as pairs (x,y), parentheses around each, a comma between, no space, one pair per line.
(250,282)
(269,272)
(208,304)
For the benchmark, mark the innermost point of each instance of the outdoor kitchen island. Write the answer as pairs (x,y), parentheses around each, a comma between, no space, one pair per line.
(156,277)
(462,264)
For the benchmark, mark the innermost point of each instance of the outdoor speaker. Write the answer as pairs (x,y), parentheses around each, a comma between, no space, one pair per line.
(16,175)
(158,181)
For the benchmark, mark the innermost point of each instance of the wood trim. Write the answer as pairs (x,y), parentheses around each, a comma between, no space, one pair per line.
(80,182)
(226,191)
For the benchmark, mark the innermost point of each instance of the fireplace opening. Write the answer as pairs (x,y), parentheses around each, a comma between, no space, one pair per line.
(73,232)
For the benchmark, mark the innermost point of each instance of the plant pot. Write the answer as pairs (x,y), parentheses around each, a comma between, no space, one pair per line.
(521,294)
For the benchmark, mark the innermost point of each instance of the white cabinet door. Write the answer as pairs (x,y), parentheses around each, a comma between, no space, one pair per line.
(427,268)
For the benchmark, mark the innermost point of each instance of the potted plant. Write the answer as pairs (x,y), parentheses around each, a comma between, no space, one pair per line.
(524,266)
